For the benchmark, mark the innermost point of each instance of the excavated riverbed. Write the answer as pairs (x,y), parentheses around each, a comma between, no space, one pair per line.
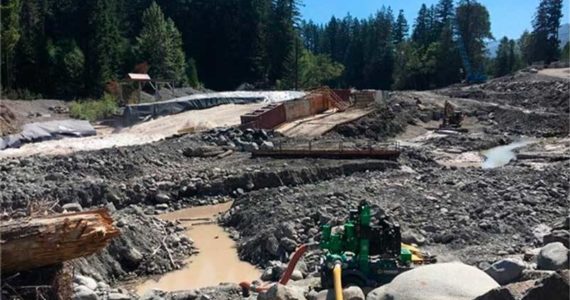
(217,261)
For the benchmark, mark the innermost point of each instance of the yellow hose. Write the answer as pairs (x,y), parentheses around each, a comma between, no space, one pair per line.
(337,282)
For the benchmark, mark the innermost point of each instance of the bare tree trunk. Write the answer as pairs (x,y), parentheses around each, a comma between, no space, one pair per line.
(31,243)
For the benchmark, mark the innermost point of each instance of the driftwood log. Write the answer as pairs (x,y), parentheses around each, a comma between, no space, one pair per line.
(36,242)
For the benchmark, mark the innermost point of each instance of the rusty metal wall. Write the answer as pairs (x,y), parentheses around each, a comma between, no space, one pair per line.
(267,117)
(272,115)
(344,94)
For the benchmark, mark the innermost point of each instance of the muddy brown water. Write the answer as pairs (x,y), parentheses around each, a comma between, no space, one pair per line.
(217,261)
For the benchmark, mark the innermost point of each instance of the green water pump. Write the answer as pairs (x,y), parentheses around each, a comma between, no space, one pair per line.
(368,249)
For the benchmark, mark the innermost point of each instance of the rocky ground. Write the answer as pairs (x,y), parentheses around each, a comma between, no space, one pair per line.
(477,216)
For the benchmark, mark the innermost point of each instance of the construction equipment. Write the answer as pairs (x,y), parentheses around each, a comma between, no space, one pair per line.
(368,249)
(452,118)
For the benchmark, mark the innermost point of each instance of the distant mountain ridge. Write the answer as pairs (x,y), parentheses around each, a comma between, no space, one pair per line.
(563,36)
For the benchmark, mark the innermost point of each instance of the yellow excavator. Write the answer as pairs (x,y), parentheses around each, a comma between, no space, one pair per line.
(452,118)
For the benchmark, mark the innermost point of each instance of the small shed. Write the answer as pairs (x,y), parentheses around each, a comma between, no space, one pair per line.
(140,78)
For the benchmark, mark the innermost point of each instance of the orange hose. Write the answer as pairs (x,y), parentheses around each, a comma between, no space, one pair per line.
(284,278)
(291,266)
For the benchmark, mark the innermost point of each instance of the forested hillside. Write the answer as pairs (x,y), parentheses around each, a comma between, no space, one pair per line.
(74,49)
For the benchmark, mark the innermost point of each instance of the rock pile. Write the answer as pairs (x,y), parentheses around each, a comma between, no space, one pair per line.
(142,248)
(243,140)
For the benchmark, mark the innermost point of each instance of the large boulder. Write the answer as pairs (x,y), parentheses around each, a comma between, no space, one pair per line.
(447,281)
(412,237)
(506,270)
(82,292)
(85,281)
(282,292)
(553,256)
(118,296)
(132,256)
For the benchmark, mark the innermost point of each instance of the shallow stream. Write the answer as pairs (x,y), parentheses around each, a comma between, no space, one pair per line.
(502,155)
(217,261)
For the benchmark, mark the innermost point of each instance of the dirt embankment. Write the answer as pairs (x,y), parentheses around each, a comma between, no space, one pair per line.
(15,113)
(474,215)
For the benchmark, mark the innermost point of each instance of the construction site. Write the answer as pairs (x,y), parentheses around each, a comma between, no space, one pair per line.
(454,193)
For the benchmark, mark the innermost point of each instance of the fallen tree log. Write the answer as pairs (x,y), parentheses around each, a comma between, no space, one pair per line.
(36,242)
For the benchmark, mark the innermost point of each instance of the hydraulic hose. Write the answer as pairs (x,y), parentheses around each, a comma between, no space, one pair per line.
(247,286)
(291,266)
(337,270)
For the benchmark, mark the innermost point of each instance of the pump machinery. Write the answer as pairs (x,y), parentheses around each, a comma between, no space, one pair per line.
(366,251)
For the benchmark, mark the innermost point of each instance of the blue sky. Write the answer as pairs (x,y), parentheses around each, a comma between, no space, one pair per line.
(508,17)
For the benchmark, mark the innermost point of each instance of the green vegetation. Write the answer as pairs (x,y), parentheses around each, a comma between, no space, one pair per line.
(94,109)
(565,56)
(10,36)
(74,49)
(545,31)
(160,45)
(66,63)
(192,73)
(314,71)
(508,58)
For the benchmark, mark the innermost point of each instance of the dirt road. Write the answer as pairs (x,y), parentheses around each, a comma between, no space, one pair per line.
(563,73)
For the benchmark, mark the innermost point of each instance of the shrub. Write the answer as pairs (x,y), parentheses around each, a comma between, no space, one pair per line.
(93,110)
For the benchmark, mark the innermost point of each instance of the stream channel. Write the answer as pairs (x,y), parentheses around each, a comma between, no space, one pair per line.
(217,261)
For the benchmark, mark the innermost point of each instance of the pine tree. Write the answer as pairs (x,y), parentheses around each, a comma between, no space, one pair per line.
(30,50)
(444,13)
(421,34)
(525,44)
(565,52)
(545,31)
(311,35)
(106,45)
(379,51)
(474,27)
(10,35)
(283,41)
(354,64)
(67,65)
(192,74)
(160,45)
(400,28)
(502,61)
(448,60)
